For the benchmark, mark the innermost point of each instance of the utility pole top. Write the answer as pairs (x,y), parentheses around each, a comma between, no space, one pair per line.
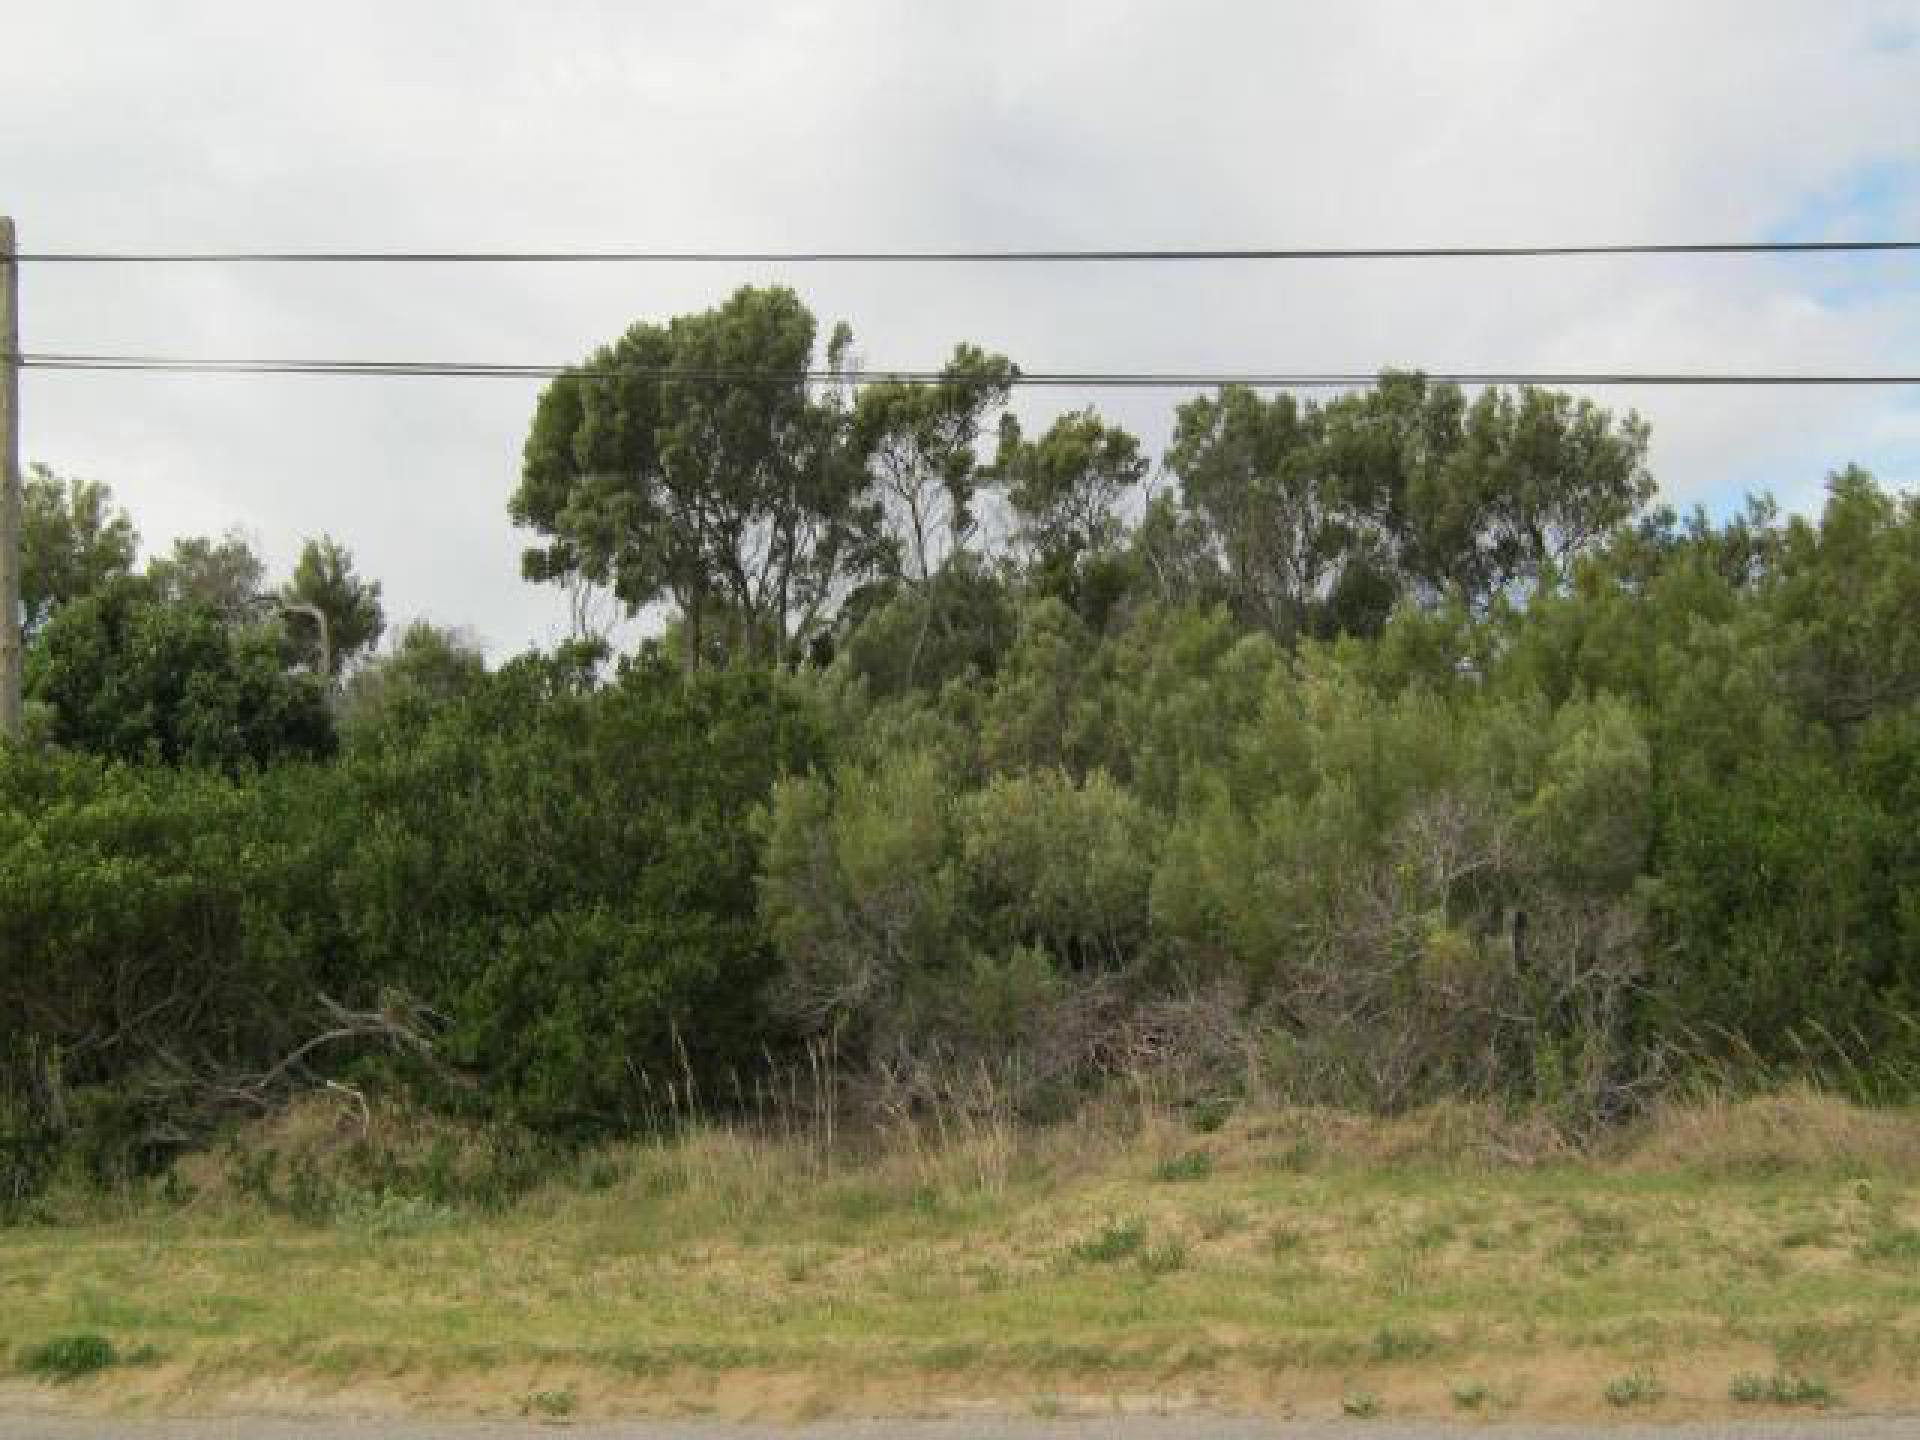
(12,643)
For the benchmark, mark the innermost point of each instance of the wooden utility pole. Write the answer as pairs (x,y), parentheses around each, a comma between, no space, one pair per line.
(11,644)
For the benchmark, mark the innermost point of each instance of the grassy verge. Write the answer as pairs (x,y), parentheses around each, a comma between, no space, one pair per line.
(1747,1259)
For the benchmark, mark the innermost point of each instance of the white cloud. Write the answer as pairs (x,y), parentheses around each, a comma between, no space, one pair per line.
(934,124)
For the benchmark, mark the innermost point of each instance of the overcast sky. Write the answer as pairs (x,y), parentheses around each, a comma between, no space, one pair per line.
(576,124)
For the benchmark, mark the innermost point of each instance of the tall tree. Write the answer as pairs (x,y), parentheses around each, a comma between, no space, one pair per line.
(919,441)
(1251,467)
(226,575)
(694,463)
(1067,487)
(1550,476)
(74,540)
(324,581)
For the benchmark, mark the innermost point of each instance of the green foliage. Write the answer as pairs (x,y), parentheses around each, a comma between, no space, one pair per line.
(1397,757)
(653,474)
(428,667)
(1194,1165)
(136,677)
(1783,1387)
(156,920)
(569,874)
(1636,1387)
(1115,1241)
(225,576)
(69,1357)
(324,581)
(73,542)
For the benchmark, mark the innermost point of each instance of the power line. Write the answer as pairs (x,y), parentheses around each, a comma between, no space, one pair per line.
(1097,379)
(954,257)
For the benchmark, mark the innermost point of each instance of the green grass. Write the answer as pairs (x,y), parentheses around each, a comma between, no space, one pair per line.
(1194,1165)
(1013,1265)
(1114,1241)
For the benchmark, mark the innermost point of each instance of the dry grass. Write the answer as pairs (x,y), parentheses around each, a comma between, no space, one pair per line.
(955,1260)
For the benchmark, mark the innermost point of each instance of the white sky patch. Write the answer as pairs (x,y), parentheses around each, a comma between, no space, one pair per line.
(875,124)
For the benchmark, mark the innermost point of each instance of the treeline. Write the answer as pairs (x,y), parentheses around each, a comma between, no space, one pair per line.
(1375,750)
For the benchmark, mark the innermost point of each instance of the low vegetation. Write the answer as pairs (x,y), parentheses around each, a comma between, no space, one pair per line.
(1452,1260)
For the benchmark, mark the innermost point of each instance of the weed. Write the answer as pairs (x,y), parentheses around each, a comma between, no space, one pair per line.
(1402,1342)
(388,1217)
(1637,1387)
(1470,1394)
(1360,1404)
(988,1279)
(1846,1347)
(550,1404)
(1783,1387)
(1285,1240)
(1598,1237)
(1298,1157)
(1194,1165)
(1207,1116)
(70,1357)
(1116,1241)
(1224,1221)
(1815,1234)
(1890,1242)
(1164,1259)
(601,1172)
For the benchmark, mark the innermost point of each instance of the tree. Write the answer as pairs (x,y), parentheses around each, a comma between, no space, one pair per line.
(1252,469)
(74,540)
(693,463)
(1326,516)
(135,676)
(225,575)
(427,668)
(1067,487)
(918,443)
(1549,476)
(324,580)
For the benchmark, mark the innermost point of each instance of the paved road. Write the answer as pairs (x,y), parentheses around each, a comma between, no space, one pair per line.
(1189,1427)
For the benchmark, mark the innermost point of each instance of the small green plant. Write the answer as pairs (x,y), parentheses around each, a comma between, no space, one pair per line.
(601,1172)
(1360,1404)
(1891,1242)
(1637,1387)
(1783,1387)
(1400,1342)
(1114,1242)
(1470,1394)
(1194,1165)
(1224,1221)
(388,1216)
(1208,1116)
(1297,1158)
(1285,1240)
(550,1404)
(1164,1259)
(69,1357)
